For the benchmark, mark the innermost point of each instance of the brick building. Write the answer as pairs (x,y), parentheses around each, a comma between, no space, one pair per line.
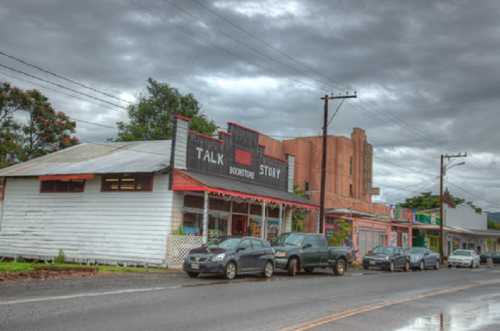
(351,216)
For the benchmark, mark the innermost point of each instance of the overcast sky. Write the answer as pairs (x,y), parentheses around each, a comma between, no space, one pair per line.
(427,73)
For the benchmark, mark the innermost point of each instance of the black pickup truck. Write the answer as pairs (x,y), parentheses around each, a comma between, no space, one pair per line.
(295,251)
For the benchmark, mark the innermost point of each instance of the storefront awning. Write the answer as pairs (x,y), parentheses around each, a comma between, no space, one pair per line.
(190,181)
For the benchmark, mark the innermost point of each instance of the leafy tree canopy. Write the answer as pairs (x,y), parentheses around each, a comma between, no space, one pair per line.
(44,132)
(151,117)
(427,200)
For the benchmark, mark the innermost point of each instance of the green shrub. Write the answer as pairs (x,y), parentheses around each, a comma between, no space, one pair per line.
(60,257)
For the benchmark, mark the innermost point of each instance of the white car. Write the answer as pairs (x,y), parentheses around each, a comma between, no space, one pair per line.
(464,258)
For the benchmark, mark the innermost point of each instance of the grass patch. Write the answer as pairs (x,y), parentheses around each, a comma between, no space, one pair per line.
(10,266)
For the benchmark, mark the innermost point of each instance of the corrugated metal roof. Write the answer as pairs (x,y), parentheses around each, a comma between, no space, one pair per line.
(93,158)
(235,185)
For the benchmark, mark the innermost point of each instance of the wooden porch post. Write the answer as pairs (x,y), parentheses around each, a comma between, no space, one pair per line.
(281,219)
(205,217)
(263,225)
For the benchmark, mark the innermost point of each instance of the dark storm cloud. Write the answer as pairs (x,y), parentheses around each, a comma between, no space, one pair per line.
(427,72)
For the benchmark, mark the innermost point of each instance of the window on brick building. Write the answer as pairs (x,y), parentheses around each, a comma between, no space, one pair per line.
(350,166)
(350,191)
(306,186)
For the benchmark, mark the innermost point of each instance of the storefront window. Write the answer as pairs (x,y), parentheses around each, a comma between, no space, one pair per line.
(254,226)
(273,212)
(217,226)
(241,208)
(256,209)
(192,224)
(273,228)
(219,204)
(193,201)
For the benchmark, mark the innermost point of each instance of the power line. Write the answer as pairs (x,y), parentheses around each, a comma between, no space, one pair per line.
(270,46)
(253,49)
(57,91)
(15,58)
(24,79)
(63,87)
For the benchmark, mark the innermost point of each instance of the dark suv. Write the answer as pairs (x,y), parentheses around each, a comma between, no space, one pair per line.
(231,257)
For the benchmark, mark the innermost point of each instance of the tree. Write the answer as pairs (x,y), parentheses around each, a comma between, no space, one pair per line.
(427,200)
(151,117)
(46,130)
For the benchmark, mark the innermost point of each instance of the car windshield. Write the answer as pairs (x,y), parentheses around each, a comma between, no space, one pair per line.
(383,250)
(293,239)
(230,244)
(462,253)
(417,250)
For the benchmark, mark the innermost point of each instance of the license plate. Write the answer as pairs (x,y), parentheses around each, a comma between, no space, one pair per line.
(195,266)
(372,262)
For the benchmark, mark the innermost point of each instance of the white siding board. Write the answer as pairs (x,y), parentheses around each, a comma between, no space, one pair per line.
(181,141)
(106,226)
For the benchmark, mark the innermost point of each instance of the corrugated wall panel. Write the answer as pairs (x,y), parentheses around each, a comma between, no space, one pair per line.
(106,226)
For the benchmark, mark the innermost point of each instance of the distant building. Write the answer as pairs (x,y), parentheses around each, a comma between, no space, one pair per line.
(463,227)
(351,216)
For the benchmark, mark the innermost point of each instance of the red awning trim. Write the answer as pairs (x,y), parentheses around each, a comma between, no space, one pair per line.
(242,195)
(66,177)
(206,136)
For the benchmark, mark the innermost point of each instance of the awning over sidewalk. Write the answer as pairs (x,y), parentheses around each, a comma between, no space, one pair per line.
(457,230)
(191,181)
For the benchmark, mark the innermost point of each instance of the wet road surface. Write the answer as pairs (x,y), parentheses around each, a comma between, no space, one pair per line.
(460,299)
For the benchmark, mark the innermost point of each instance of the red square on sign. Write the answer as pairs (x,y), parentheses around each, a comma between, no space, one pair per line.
(243,157)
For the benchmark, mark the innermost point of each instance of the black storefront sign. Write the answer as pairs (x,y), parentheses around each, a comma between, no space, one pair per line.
(236,155)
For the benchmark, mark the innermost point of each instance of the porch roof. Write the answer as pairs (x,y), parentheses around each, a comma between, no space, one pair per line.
(191,181)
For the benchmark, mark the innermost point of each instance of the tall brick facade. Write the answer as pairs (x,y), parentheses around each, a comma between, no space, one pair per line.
(349,180)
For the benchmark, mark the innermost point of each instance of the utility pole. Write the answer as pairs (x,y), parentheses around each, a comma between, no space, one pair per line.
(442,173)
(326,98)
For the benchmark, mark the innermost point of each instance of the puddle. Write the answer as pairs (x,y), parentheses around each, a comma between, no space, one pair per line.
(478,315)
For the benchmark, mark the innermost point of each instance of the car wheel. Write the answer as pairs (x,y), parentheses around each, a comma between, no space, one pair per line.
(407,266)
(268,269)
(293,265)
(421,266)
(309,270)
(339,267)
(391,266)
(192,274)
(230,271)
(472,265)
(436,266)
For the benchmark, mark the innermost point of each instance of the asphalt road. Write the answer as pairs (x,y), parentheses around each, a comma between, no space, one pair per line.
(458,299)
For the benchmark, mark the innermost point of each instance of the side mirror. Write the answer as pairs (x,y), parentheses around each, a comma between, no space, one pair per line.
(239,249)
(427,254)
(306,246)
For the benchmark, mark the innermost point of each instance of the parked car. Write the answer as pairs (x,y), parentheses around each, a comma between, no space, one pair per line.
(464,258)
(295,251)
(495,257)
(387,258)
(422,258)
(231,257)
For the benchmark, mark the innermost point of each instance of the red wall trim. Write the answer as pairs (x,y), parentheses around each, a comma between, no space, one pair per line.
(66,177)
(206,136)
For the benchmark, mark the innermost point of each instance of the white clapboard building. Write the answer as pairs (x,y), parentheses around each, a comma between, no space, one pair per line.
(145,202)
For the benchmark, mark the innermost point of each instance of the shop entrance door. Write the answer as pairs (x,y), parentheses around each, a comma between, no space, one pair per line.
(239,224)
